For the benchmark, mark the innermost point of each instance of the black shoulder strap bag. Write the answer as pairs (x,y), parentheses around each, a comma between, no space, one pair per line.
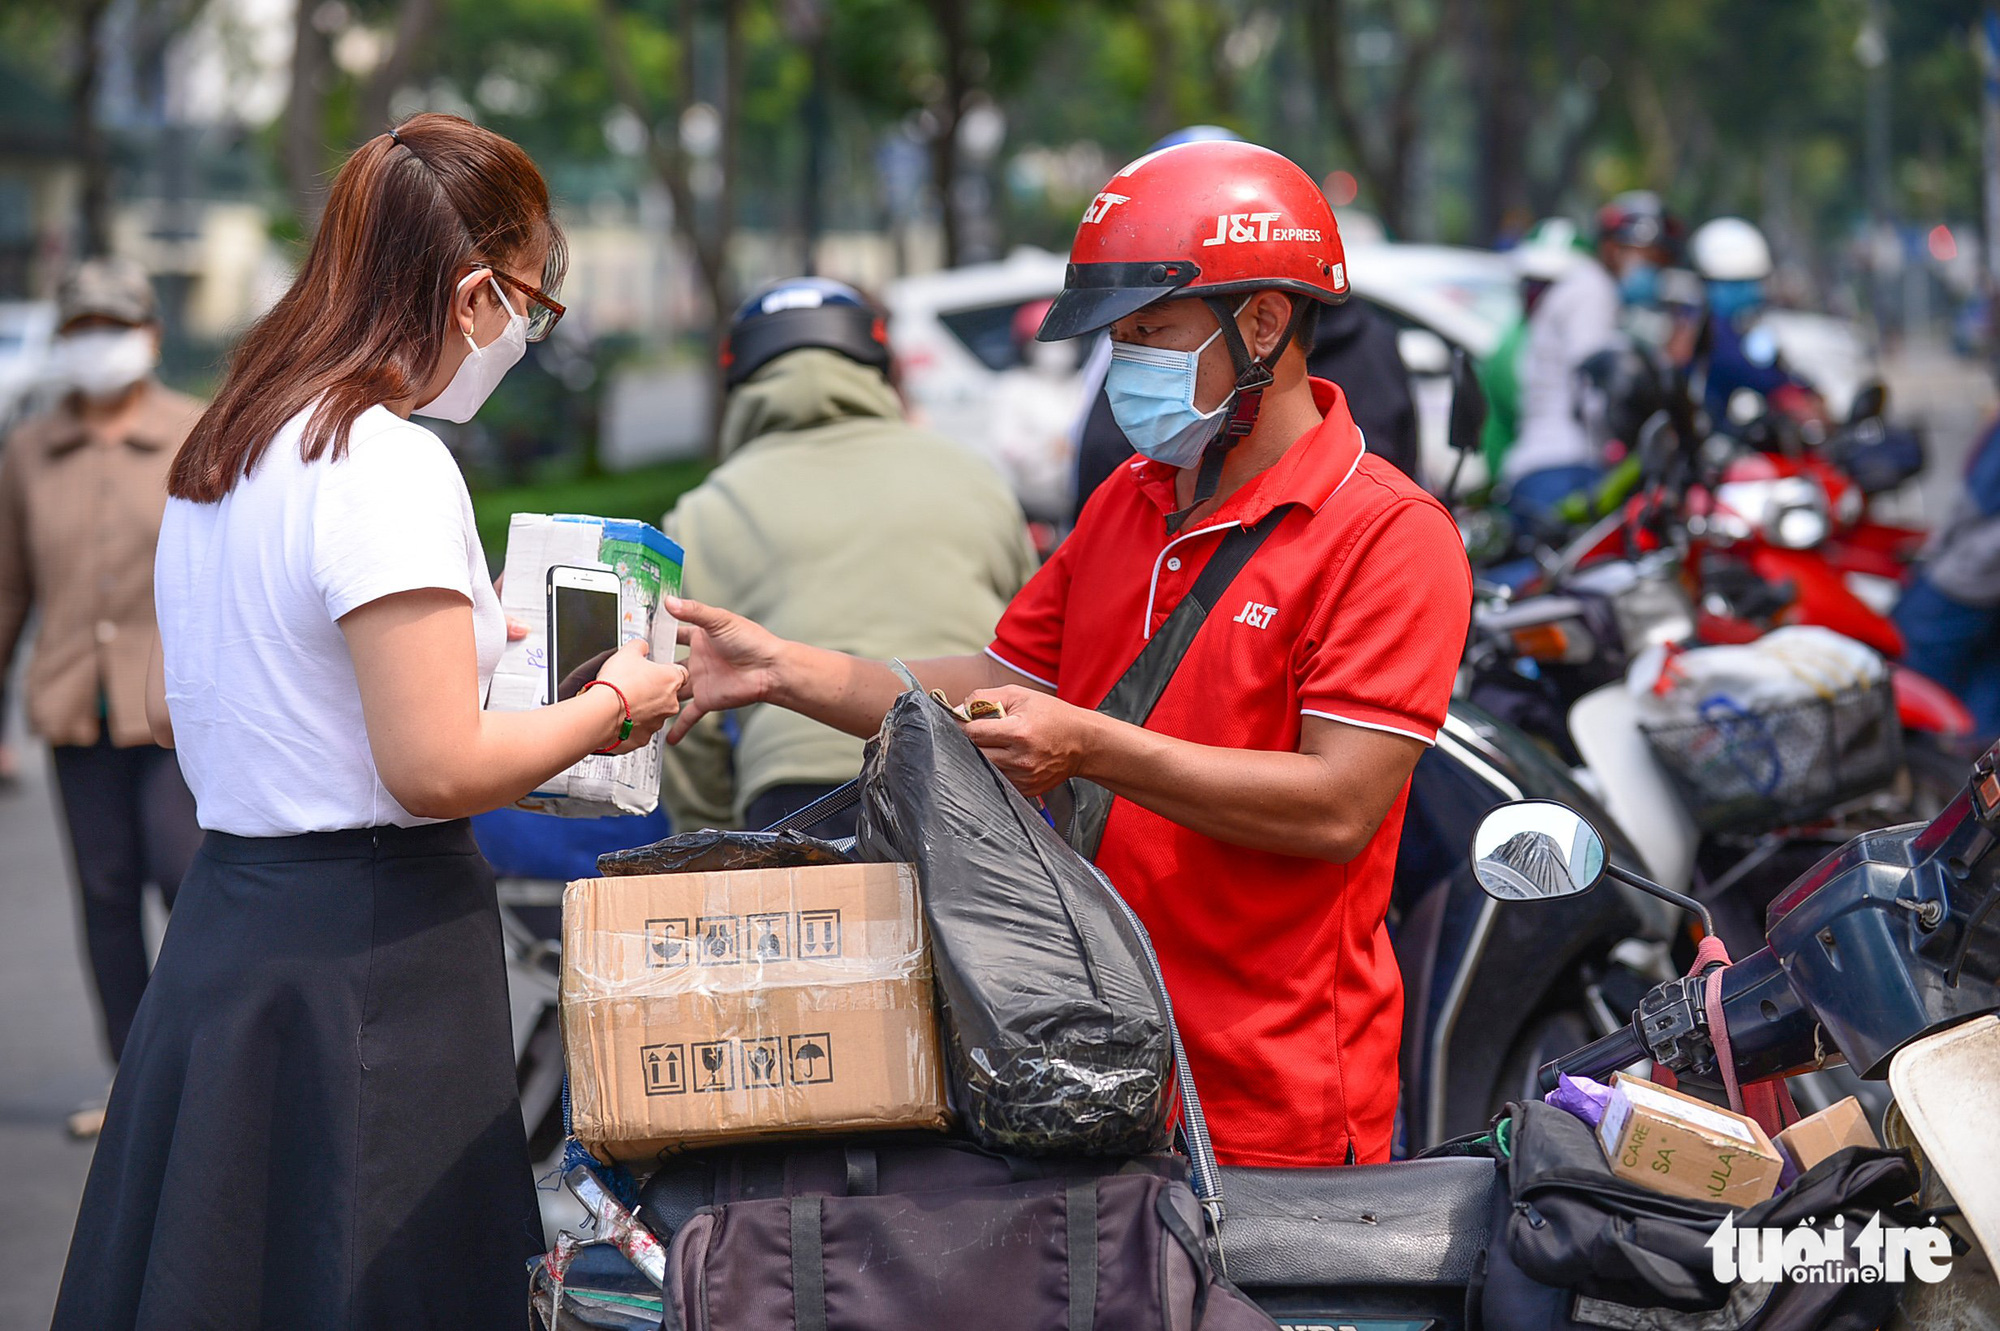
(1079,808)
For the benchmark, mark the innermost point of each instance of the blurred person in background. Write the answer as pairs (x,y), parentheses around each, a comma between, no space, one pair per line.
(1950,613)
(1553,455)
(1731,351)
(1549,249)
(832,521)
(82,489)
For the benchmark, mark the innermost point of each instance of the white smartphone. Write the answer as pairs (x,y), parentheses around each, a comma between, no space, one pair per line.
(583,626)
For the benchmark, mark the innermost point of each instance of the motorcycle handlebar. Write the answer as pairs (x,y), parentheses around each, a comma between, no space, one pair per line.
(1595,1059)
(1771,1032)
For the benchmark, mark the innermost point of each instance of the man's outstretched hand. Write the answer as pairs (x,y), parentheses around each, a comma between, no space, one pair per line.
(731,662)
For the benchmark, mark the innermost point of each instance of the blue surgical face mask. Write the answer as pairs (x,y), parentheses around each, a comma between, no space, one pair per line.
(1152,399)
(1730,299)
(1639,284)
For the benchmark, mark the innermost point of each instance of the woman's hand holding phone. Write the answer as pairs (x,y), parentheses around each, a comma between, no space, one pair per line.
(651,688)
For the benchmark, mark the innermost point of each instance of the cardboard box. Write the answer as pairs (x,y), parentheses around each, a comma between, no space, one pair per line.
(704,1008)
(1684,1147)
(1834,1128)
(649,568)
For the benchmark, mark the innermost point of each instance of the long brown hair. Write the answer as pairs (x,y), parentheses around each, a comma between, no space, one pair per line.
(365,321)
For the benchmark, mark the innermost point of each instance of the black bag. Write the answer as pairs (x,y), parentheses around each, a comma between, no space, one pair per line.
(708,851)
(899,1233)
(1056,1024)
(1576,1246)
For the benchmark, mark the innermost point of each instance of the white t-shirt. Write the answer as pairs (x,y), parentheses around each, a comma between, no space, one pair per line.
(1575,319)
(266,711)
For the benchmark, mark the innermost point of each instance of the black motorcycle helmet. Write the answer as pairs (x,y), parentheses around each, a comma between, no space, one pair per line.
(1622,387)
(803,312)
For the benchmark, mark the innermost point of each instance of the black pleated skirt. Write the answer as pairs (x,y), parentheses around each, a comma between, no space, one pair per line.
(315,1123)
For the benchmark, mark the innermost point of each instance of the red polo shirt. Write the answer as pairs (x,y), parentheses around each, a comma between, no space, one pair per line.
(1355,608)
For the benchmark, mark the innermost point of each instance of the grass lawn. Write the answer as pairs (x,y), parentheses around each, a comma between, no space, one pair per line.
(646,494)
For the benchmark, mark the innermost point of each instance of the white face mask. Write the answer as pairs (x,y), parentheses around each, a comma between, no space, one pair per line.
(483,367)
(101,363)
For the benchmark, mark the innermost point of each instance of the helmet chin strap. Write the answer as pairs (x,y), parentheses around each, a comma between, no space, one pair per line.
(1253,376)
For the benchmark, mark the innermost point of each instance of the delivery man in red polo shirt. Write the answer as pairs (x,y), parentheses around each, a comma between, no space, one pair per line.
(1258,808)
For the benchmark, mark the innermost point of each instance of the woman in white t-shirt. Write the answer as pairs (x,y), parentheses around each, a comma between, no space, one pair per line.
(315,1121)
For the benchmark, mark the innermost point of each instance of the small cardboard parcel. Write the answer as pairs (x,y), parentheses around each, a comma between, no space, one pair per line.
(648,566)
(1684,1147)
(701,1008)
(1833,1129)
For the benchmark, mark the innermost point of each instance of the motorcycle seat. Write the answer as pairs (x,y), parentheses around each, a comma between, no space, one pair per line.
(1415,1222)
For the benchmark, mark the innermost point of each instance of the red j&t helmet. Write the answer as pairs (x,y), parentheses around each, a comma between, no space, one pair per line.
(1198,219)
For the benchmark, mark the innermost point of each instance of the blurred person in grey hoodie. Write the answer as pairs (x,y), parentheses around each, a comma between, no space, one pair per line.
(833,521)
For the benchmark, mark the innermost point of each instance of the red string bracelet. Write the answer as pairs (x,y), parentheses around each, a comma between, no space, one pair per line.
(625,730)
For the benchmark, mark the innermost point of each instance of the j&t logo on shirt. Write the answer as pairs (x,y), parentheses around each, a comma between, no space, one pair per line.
(1255,615)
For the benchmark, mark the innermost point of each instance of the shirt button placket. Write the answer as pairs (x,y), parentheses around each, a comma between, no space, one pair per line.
(1169,596)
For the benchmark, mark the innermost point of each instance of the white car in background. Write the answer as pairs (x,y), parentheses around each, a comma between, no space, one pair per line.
(27,329)
(959,355)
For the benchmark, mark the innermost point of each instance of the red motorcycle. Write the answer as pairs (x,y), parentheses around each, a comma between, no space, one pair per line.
(1770,538)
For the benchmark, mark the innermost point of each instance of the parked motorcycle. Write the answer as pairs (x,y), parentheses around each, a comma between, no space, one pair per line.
(1477,1023)
(1885,958)
(1771,532)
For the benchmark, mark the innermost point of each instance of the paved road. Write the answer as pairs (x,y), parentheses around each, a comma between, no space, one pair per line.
(1951,398)
(49,1059)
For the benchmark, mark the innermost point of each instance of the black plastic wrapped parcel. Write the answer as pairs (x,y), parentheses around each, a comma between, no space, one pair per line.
(710,851)
(1056,1037)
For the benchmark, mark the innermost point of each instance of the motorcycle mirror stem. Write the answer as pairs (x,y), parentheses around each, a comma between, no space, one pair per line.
(1681,899)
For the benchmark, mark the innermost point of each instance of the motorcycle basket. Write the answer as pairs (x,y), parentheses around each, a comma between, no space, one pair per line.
(1753,768)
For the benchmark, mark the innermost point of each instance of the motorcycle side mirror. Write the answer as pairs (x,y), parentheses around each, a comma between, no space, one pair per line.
(1657,443)
(1468,404)
(1423,352)
(1871,400)
(1533,850)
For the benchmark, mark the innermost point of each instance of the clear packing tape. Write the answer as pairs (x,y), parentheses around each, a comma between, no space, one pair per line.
(701,1008)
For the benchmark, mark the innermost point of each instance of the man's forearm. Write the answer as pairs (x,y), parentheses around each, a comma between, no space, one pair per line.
(853,694)
(1289,803)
